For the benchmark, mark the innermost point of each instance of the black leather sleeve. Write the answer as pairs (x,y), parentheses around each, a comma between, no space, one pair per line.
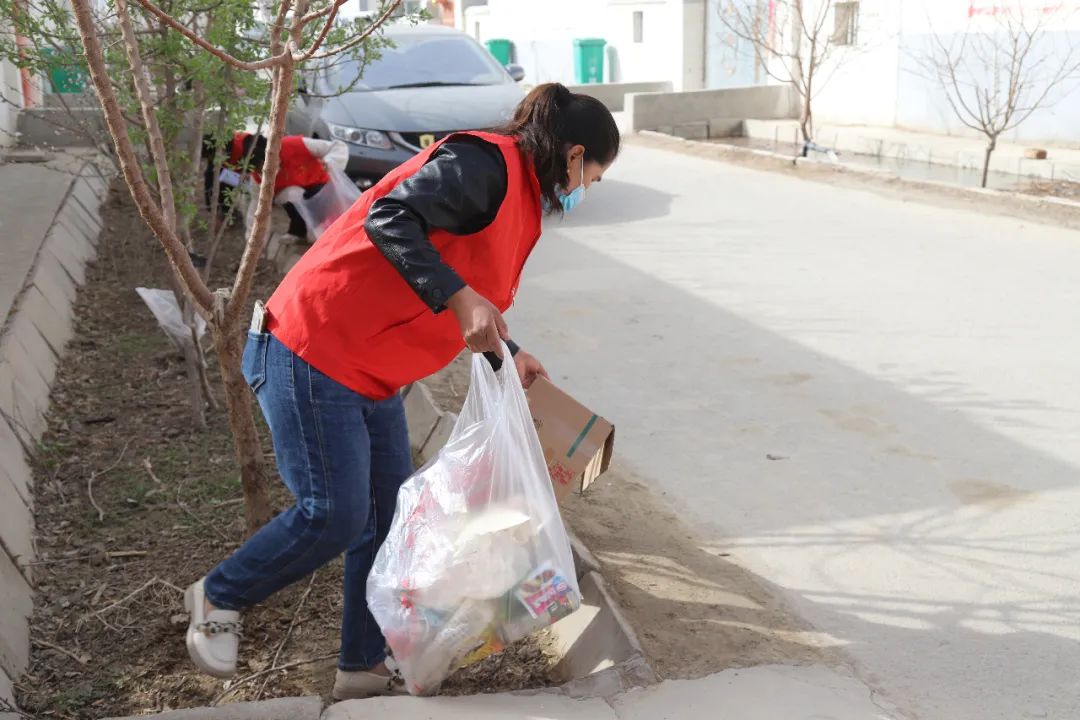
(459,190)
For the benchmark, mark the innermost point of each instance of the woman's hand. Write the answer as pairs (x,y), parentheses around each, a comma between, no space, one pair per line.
(482,325)
(529,368)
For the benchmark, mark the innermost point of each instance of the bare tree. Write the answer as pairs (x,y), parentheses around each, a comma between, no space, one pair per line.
(301,31)
(793,42)
(995,78)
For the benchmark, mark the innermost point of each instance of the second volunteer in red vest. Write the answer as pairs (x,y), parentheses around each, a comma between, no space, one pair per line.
(422,266)
(302,171)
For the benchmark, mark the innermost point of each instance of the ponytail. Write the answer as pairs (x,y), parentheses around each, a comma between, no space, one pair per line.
(549,121)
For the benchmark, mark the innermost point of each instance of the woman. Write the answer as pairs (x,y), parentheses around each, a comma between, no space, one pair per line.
(363,314)
(302,172)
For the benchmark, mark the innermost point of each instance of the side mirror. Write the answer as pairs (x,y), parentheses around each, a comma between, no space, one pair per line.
(516,72)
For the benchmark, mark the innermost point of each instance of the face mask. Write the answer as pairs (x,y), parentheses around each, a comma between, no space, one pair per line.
(572,199)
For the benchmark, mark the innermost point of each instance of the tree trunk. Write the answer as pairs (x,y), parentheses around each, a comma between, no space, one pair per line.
(991,145)
(249,454)
(806,121)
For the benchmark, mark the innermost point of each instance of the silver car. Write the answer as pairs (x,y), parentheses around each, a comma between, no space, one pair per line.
(433,81)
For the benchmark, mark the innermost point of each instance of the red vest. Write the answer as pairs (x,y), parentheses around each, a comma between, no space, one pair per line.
(298,166)
(346,311)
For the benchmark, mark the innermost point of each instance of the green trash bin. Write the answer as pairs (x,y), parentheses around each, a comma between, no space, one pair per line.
(67,76)
(589,60)
(500,48)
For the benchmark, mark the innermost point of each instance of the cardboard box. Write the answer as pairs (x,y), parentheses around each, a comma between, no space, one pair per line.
(577,442)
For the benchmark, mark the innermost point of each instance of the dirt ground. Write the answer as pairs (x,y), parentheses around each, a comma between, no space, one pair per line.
(108,628)
(695,612)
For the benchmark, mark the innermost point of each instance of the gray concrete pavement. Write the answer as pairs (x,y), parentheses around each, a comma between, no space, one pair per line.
(873,404)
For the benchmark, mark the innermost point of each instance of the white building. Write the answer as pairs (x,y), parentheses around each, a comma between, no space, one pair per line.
(874,76)
(647,40)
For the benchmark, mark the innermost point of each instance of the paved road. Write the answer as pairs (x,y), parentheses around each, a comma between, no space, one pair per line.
(872,404)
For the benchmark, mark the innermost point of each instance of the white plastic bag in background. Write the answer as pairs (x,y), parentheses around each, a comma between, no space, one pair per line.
(166,310)
(329,203)
(477,556)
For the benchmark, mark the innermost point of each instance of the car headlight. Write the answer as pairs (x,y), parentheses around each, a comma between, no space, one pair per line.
(356,136)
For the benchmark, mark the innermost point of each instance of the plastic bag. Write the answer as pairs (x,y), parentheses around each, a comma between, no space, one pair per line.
(324,207)
(477,556)
(166,310)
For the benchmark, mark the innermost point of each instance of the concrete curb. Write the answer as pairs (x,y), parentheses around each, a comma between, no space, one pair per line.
(32,341)
(598,636)
(777,161)
(294,708)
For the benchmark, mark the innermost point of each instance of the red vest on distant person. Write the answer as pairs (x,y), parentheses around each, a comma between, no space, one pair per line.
(347,311)
(298,166)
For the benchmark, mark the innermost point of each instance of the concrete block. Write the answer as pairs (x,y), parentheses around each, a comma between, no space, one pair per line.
(595,637)
(422,416)
(14,464)
(54,283)
(294,708)
(725,127)
(8,694)
(76,237)
(24,395)
(584,561)
(16,524)
(17,601)
(500,706)
(56,127)
(54,324)
(439,435)
(698,130)
(61,251)
(42,355)
(613,95)
(79,221)
(85,201)
(653,110)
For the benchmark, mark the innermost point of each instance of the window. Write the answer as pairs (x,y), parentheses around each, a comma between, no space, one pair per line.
(846,18)
(639,26)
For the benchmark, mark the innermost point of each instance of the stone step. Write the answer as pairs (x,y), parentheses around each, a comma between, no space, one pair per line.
(295,708)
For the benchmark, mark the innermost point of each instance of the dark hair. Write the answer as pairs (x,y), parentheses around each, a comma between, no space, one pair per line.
(552,119)
(258,155)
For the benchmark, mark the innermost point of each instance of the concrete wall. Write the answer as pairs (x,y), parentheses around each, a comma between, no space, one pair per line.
(716,111)
(33,337)
(671,47)
(61,127)
(882,81)
(10,101)
(613,95)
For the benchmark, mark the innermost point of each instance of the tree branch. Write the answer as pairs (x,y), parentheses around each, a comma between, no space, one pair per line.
(217,52)
(129,163)
(375,25)
(153,130)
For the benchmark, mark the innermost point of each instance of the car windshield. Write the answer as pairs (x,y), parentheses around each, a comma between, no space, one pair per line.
(421,61)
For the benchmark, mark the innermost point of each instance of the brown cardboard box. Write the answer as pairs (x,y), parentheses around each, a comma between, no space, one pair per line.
(577,442)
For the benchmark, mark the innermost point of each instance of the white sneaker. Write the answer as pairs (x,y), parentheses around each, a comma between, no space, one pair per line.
(212,640)
(360,684)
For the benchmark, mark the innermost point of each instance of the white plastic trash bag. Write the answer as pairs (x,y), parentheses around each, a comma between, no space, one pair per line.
(166,310)
(331,201)
(477,556)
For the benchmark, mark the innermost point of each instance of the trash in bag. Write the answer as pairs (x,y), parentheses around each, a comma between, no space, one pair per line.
(331,201)
(166,310)
(477,556)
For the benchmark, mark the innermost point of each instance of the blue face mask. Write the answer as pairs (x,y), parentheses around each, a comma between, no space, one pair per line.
(572,199)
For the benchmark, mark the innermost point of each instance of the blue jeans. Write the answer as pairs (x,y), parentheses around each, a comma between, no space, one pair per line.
(344,457)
